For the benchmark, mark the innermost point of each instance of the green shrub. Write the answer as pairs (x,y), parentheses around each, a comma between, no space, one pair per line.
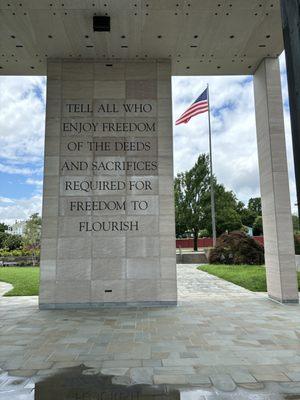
(237,248)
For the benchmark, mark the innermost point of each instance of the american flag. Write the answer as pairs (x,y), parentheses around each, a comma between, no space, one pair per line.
(198,107)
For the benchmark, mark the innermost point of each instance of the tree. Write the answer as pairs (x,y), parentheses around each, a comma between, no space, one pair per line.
(258,226)
(12,242)
(191,190)
(295,222)
(227,216)
(254,204)
(181,223)
(247,215)
(32,234)
(3,236)
(193,202)
(3,227)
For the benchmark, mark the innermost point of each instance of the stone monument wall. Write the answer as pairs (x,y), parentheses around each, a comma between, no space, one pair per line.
(108,210)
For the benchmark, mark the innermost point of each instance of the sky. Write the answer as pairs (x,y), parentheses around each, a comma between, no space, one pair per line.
(22,120)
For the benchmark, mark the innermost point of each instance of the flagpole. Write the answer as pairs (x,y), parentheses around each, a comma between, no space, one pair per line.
(212,192)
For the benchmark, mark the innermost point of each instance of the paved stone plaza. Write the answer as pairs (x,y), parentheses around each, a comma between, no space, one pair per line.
(220,335)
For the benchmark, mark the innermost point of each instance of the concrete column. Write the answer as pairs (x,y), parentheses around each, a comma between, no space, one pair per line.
(275,194)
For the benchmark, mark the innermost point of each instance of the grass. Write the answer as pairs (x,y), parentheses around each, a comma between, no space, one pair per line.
(25,280)
(251,277)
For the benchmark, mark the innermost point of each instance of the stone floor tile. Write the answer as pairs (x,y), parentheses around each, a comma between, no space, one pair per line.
(114,371)
(169,379)
(143,375)
(270,376)
(218,329)
(223,382)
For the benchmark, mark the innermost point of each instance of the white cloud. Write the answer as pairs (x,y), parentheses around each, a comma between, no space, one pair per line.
(34,182)
(11,169)
(19,209)
(22,118)
(233,130)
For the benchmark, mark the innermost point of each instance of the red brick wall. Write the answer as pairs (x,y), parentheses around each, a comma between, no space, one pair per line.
(206,242)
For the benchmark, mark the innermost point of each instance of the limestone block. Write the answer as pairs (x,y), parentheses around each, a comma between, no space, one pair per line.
(149,168)
(72,227)
(47,291)
(108,291)
(164,107)
(48,249)
(109,247)
(74,269)
(109,71)
(108,268)
(164,70)
(168,267)
(49,227)
(165,185)
(141,89)
(54,69)
(74,248)
(166,204)
(141,186)
(53,108)
(74,71)
(54,90)
(143,268)
(144,205)
(52,126)
(73,291)
(166,226)
(51,146)
(164,125)
(50,206)
(109,108)
(141,71)
(168,290)
(51,167)
(167,245)
(109,89)
(48,270)
(143,290)
(77,89)
(165,163)
(140,109)
(147,246)
(51,182)
(78,107)
(164,89)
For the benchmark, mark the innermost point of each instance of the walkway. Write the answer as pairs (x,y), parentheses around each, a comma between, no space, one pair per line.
(219,334)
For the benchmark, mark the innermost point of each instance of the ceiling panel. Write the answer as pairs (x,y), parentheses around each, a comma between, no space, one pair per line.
(200,36)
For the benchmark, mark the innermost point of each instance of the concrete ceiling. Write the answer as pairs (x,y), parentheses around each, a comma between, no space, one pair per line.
(203,37)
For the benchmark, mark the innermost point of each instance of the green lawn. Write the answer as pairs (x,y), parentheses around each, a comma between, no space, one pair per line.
(251,277)
(25,280)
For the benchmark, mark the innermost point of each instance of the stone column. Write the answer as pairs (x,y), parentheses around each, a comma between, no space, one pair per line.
(274,183)
(108,236)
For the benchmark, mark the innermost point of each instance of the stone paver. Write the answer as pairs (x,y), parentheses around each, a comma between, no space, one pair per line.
(219,334)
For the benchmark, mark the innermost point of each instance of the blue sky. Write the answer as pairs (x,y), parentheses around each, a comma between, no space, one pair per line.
(22,105)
